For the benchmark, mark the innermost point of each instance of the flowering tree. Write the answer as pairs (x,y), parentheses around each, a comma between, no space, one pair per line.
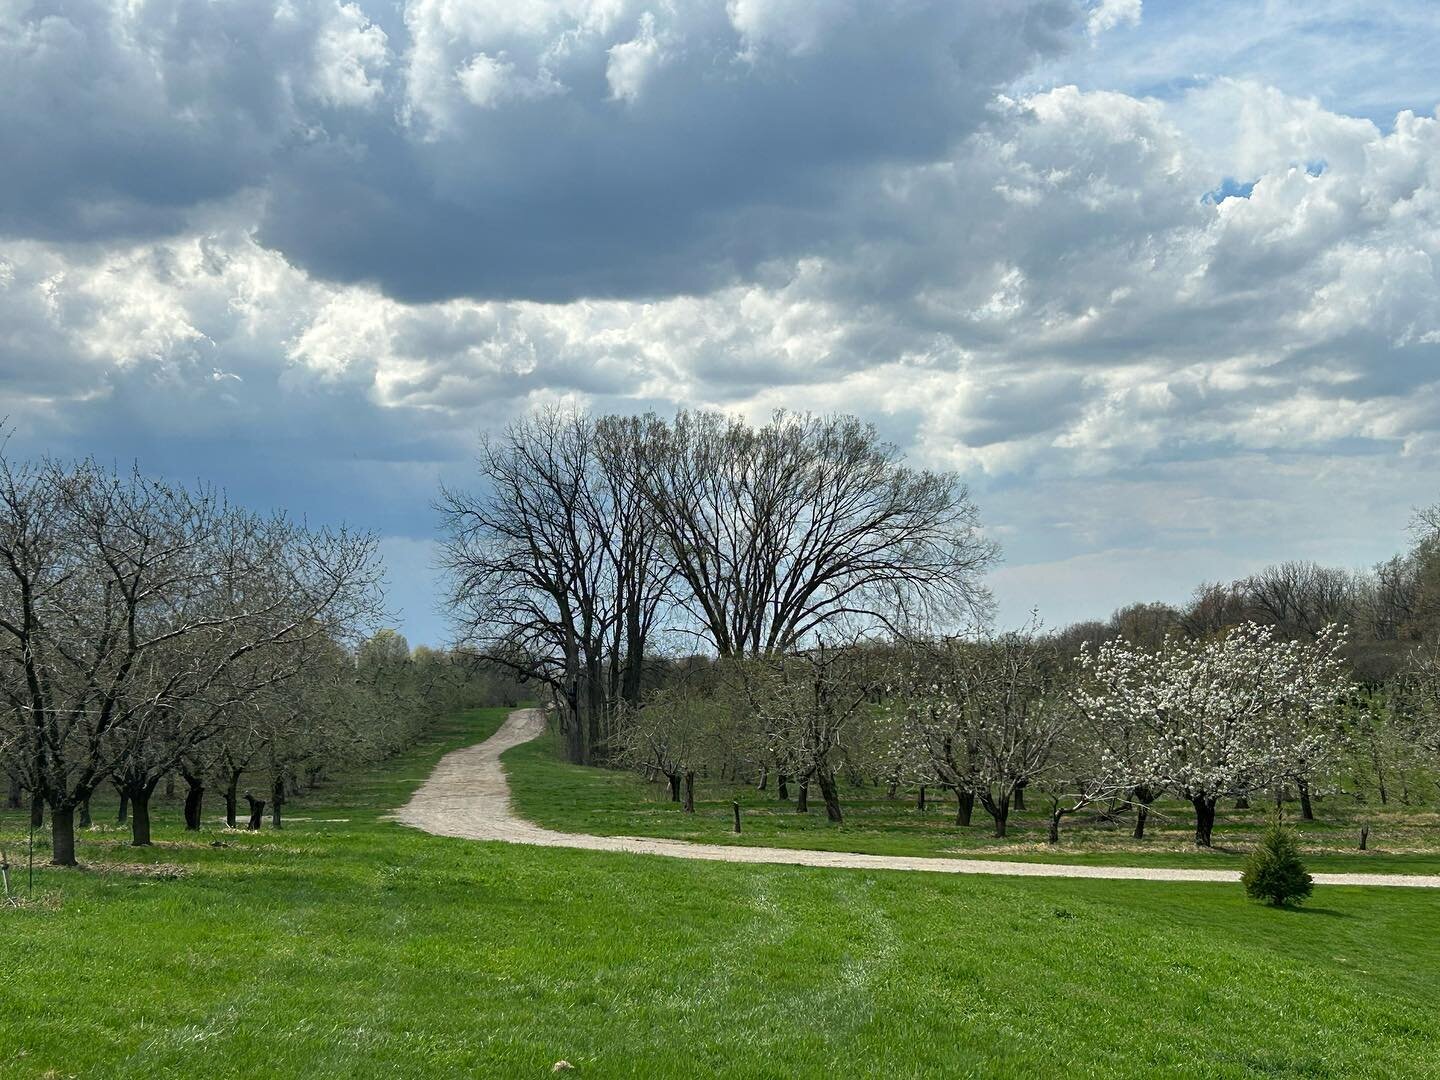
(982,718)
(803,706)
(1223,716)
(925,728)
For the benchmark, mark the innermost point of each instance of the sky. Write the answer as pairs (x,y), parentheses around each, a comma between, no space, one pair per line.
(1157,279)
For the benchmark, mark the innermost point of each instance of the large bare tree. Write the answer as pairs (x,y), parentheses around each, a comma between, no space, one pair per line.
(782,530)
(553,566)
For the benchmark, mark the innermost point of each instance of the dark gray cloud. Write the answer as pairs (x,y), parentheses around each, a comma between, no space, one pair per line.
(542,151)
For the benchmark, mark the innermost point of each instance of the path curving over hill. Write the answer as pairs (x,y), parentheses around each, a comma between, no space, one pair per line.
(467,796)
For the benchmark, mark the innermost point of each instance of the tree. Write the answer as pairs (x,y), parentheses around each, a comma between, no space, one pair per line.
(1223,716)
(672,734)
(982,717)
(1273,871)
(1300,599)
(553,570)
(780,532)
(132,613)
(804,705)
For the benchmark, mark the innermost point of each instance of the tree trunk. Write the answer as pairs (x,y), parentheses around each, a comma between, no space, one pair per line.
(140,815)
(802,804)
(194,798)
(892,788)
(920,799)
(257,811)
(232,783)
(15,796)
(764,784)
(170,785)
(85,821)
(123,814)
(1204,818)
(62,836)
(1307,812)
(689,806)
(673,779)
(277,797)
(831,794)
(999,813)
(37,812)
(1242,803)
(1019,801)
(782,787)
(1143,798)
(1053,836)
(965,806)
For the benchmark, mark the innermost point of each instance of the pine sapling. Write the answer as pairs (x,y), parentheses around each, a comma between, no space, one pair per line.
(1274,872)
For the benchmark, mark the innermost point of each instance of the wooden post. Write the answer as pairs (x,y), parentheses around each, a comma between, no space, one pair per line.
(735,807)
(5,872)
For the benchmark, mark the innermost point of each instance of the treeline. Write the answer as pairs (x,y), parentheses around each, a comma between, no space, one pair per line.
(150,631)
(992,720)
(792,602)
(1389,610)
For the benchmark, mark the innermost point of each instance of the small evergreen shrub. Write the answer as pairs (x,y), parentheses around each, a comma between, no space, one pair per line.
(1274,872)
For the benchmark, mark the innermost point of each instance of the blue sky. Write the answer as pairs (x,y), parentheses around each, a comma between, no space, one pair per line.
(310,250)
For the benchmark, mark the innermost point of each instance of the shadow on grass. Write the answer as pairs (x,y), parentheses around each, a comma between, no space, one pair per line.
(1329,912)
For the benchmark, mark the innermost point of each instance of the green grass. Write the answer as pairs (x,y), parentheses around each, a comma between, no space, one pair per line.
(618,803)
(350,946)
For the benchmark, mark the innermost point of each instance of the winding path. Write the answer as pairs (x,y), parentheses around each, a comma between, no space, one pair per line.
(467,796)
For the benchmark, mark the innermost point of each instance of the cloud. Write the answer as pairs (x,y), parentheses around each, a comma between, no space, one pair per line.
(370,234)
(1108,14)
(537,151)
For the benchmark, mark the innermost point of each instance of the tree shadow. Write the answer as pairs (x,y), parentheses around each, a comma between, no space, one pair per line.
(1330,912)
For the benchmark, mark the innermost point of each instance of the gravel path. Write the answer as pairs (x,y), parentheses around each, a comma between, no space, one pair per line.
(467,796)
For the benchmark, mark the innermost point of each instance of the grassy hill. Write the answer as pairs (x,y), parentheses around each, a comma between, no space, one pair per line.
(346,945)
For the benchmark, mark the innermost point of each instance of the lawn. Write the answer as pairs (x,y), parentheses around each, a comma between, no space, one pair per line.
(1403,839)
(349,946)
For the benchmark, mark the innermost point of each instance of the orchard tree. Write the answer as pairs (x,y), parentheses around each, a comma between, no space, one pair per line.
(672,734)
(805,705)
(129,612)
(982,717)
(1225,716)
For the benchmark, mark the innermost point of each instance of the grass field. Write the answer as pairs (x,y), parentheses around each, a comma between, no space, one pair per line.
(1403,839)
(347,946)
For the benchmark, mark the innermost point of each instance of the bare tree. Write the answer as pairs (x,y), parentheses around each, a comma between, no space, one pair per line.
(129,611)
(781,531)
(1300,599)
(805,706)
(552,568)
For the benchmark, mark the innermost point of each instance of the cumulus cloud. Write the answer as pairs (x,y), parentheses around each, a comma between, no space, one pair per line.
(683,143)
(1139,322)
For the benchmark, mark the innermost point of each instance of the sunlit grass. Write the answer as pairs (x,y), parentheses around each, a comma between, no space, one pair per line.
(349,946)
(1403,839)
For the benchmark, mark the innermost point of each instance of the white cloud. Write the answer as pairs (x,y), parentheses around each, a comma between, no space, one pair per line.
(1032,288)
(632,63)
(351,55)
(1108,14)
